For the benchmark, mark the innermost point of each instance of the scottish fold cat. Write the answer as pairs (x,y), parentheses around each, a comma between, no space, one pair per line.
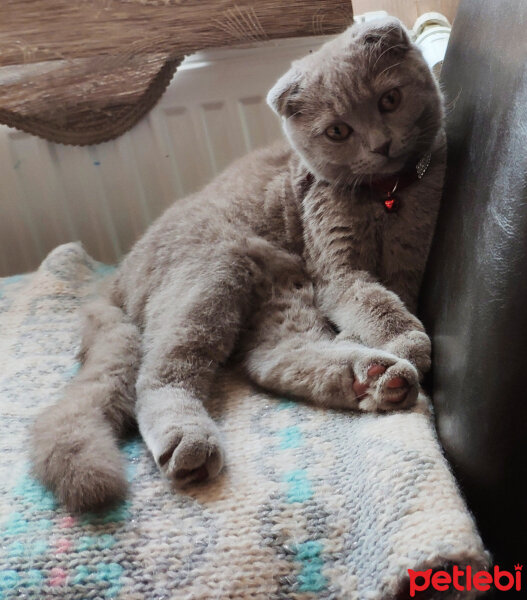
(301,261)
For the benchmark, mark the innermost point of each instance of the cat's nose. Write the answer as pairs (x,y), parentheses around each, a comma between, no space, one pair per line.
(383,148)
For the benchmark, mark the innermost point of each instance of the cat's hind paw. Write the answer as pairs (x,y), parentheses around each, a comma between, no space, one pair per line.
(384,387)
(192,453)
(381,380)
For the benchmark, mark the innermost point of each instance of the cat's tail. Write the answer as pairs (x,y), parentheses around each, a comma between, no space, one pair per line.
(73,443)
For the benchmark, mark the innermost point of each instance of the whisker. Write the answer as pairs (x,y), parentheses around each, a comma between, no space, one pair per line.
(390,67)
(384,52)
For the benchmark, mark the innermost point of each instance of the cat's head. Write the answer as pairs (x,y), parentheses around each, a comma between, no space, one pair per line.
(366,103)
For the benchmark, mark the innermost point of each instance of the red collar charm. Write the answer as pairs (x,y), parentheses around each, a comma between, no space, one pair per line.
(391,204)
(388,186)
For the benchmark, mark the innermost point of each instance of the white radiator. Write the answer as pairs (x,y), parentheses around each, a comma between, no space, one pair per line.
(106,195)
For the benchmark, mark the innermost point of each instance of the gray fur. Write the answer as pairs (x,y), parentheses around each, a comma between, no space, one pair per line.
(307,286)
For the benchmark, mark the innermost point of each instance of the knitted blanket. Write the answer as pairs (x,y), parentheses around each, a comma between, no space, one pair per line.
(313,504)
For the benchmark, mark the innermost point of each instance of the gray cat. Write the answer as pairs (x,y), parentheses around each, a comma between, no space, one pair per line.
(302,261)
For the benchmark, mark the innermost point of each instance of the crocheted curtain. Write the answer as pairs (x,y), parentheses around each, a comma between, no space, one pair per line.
(84,71)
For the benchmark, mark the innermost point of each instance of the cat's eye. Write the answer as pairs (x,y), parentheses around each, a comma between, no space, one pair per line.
(338,132)
(390,100)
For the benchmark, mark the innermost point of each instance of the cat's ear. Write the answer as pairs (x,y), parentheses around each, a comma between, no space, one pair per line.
(386,35)
(284,96)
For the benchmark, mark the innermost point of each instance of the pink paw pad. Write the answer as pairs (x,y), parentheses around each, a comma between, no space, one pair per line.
(399,388)
(397,382)
(375,370)
(360,387)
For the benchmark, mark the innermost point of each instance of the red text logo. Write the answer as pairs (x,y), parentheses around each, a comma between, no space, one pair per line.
(465,580)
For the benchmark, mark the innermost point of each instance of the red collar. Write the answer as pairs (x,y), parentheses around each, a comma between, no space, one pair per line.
(386,187)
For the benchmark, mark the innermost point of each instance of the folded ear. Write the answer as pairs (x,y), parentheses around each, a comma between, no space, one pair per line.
(284,96)
(386,34)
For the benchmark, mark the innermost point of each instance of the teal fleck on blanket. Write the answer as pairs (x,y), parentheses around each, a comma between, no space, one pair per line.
(313,504)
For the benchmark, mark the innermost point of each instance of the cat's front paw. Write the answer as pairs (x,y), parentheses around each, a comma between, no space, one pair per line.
(192,452)
(413,346)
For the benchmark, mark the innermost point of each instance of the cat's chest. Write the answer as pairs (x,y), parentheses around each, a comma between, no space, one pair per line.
(344,230)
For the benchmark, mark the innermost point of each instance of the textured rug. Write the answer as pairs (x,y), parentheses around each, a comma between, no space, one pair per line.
(313,504)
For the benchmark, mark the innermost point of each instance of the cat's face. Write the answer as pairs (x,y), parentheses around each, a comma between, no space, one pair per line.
(364,104)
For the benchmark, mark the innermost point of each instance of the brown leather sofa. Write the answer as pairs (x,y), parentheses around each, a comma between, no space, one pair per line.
(474,300)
